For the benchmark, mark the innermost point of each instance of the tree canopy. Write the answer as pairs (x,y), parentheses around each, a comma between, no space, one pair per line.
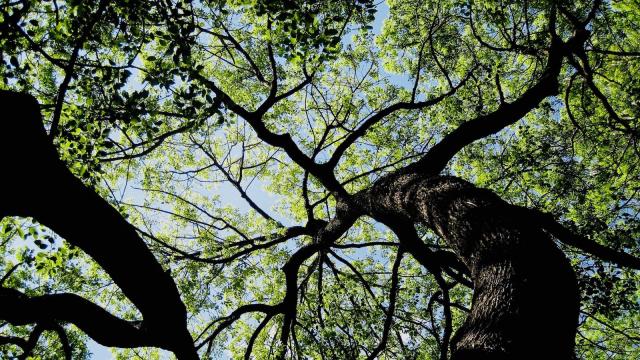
(301,180)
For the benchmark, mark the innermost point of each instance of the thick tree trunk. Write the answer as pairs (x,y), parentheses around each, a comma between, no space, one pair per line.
(526,300)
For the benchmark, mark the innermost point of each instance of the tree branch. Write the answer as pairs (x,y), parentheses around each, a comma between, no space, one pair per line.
(235,183)
(226,321)
(367,124)
(68,69)
(483,126)
(547,222)
(20,342)
(106,329)
(392,306)
(343,220)
(8,274)
(254,336)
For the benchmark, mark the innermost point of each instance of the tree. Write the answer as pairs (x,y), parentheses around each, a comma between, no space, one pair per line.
(462,183)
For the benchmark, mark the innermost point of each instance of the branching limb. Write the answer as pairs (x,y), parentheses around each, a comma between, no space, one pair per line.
(64,339)
(499,88)
(254,245)
(8,274)
(320,289)
(283,141)
(55,61)
(274,99)
(592,13)
(361,245)
(617,53)
(433,261)
(229,37)
(153,144)
(588,76)
(573,20)
(228,320)
(434,332)
(227,225)
(611,327)
(567,105)
(234,182)
(483,126)
(32,341)
(364,282)
(379,116)
(36,333)
(343,220)
(412,243)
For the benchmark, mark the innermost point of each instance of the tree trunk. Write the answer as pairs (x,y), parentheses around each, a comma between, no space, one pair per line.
(526,300)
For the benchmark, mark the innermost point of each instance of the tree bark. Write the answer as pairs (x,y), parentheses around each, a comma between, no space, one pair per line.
(526,300)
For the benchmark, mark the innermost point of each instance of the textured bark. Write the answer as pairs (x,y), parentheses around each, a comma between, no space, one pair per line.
(526,300)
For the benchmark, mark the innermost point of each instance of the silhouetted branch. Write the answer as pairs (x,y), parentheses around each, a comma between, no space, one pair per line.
(393,293)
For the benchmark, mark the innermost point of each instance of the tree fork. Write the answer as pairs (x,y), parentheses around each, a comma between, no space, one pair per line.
(525,291)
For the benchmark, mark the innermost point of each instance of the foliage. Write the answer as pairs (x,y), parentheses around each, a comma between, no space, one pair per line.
(199,121)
